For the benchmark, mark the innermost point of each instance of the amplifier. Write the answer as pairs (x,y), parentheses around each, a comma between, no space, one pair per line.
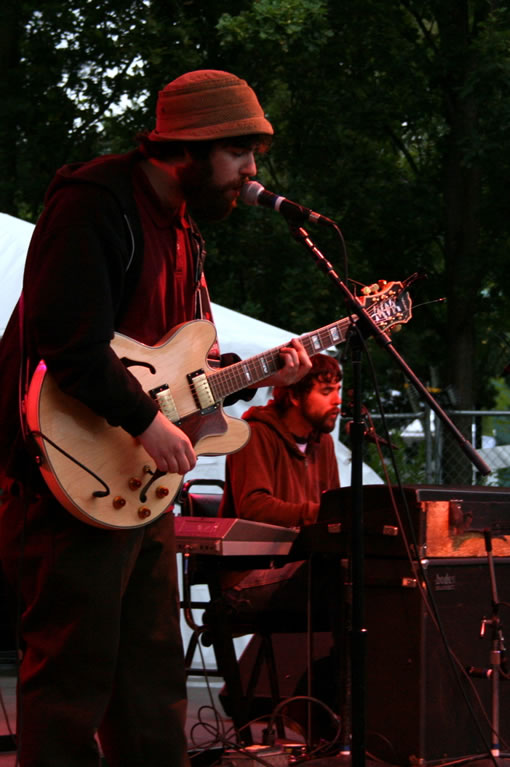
(438,521)
(419,710)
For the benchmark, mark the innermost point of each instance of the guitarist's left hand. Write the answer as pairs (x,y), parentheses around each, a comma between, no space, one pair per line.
(296,364)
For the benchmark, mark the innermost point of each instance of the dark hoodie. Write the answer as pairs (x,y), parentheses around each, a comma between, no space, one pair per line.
(82,268)
(271,480)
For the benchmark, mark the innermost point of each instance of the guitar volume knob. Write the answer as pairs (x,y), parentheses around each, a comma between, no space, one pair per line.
(162,492)
(118,502)
(134,483)
(144,512)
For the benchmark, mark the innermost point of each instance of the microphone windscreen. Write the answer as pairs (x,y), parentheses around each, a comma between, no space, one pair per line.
(250,192)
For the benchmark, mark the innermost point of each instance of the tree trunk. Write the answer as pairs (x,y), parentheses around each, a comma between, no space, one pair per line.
(462,210)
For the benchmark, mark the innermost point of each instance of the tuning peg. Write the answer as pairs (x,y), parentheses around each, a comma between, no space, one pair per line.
(368,290)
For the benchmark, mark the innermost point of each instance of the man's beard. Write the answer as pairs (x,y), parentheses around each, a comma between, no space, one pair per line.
(326,424)
(322,424)
(204,199)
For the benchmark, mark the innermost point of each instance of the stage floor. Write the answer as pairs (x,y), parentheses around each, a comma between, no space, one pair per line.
(202,703)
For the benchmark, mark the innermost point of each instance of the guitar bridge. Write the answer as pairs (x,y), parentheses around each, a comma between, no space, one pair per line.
(201,391)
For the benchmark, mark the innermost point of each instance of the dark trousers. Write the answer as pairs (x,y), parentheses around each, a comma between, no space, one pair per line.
(100,637)
(284,607)
(318,590)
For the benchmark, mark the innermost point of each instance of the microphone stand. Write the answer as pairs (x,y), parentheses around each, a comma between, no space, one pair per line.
(497,653)
(364,326)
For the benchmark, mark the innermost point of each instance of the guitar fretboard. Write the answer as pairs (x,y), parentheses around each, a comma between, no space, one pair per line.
(254,369)
(389,306)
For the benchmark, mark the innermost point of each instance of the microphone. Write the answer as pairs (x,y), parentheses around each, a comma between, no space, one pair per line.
(253,193)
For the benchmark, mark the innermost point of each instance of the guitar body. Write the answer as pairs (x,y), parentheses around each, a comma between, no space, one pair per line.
(74,442)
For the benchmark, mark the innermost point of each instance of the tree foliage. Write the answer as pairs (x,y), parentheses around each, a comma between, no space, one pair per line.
(391,118)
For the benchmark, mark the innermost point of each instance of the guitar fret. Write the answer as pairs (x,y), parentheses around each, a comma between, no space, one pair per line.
(251,371)
(242,374)
(323,338)
(316,342)
(335,335)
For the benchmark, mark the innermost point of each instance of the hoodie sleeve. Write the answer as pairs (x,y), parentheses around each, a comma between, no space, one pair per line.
(73,286)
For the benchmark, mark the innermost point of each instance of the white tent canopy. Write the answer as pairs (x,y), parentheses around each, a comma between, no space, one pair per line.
(14,238)
(237,333)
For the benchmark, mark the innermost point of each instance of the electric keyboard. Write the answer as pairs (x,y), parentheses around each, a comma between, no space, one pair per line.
(224,536)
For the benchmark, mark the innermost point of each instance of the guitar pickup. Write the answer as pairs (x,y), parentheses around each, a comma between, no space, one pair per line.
(201,391)
(166,402)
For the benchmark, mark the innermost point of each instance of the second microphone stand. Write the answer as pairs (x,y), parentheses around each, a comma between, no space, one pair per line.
(364,326)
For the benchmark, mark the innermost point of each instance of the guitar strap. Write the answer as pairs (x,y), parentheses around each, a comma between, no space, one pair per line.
(203,308)
(205,313)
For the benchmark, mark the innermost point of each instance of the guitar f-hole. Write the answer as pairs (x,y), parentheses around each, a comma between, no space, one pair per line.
(133,363)
(155,475)
(96,493)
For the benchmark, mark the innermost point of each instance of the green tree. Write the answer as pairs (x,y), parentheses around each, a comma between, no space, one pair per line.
(409,111)
(63,68)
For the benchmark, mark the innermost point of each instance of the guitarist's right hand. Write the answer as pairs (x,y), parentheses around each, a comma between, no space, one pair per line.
(168,445)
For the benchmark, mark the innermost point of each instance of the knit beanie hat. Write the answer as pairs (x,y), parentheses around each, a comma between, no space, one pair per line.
(208,104)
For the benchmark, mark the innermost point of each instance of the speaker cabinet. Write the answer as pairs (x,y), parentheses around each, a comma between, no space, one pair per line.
(418,711)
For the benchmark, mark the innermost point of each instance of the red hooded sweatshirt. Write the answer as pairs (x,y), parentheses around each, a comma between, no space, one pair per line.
(272,480)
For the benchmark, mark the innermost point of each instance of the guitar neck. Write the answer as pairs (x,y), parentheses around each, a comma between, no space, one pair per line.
(250,371)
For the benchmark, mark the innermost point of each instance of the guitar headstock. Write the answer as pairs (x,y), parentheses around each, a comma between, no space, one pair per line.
(388,303)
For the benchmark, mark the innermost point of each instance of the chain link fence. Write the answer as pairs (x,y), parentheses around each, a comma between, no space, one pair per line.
(422,450)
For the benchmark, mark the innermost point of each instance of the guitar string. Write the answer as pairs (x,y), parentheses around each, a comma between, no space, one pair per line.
(251,371)
(221,381)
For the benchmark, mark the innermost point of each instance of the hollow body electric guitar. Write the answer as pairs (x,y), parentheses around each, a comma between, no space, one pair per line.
(104,476)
